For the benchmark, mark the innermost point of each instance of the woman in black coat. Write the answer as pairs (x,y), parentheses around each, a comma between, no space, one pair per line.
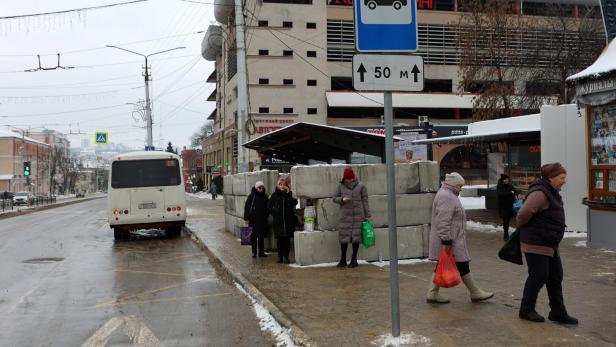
(506,198)
(282,207)
(255,215)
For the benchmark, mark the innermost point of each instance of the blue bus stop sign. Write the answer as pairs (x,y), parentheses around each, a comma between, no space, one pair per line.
(385,25)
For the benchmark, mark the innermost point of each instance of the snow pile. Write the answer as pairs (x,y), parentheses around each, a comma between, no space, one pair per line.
(411,339)
(268,323)
(484,228)
(471,203)
(360,262)
(203,196)
(580,244)
(402,262)
(575,235)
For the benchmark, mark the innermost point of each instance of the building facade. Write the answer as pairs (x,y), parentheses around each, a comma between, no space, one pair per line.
(299,55)
(192,167)
(15,150)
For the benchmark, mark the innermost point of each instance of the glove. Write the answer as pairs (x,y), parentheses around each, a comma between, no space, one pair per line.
(446,242)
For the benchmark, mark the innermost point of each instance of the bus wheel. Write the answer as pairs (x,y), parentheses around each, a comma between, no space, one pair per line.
(174,232)
(119,234)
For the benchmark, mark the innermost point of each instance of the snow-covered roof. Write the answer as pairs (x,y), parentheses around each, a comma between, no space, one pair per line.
(6,177)
(494,129)
(11,134)
(604,64)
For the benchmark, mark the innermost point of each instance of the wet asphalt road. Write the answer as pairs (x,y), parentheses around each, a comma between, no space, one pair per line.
(64,281)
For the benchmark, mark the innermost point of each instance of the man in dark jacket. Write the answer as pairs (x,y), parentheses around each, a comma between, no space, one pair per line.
(542,226)
(255,215)
(282,208)
(506,198)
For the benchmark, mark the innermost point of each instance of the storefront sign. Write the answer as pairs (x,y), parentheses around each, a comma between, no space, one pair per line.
(596,86)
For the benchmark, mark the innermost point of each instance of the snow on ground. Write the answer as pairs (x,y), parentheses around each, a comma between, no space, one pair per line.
(484,228)
(268,323)
(575,235)
(360,262)
(411,339)
(580,243)
(204,196)
(473,203)
(402,262)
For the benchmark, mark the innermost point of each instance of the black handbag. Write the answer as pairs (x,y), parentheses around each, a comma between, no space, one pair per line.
(511,249)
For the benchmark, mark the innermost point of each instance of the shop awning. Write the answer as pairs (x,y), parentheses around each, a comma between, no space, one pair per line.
(494,130)
(301,142)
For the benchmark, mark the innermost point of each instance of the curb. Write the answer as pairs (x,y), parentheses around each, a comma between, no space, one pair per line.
(299,337)
(45,207)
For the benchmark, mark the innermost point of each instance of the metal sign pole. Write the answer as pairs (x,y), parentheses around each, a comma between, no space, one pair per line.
(391,207)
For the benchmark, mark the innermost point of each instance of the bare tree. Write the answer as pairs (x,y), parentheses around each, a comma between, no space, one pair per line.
(205,131)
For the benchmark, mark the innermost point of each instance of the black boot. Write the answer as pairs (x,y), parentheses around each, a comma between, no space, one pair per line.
(354,256)
(286,260)
(279,260)
(343,250)
(564,319)
(506,236)
(532,316)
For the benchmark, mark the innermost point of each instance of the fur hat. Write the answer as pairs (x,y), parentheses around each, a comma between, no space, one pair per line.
(552,170)
(259,184)
(454,179)
(348,174)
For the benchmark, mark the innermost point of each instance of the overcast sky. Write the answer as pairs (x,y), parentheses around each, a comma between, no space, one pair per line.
(104,79)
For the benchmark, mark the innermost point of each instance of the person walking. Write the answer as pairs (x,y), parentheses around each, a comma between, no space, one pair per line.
(506,198)
(213,190)
(352,196)
(282,208)
(448,229)
(255,215)
(541,222)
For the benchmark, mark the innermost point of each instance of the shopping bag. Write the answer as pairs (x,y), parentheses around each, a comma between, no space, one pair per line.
(368,236)
(245,233)
(446,274)
(511,249)
(517,205)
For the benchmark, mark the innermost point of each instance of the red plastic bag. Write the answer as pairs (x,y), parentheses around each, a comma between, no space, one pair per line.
(446,275)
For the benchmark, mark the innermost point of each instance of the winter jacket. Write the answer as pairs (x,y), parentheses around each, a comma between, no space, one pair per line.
(506,199)
(449,224)
(256,212)
(213,189)
(546,227)
(352,213)
(282,208)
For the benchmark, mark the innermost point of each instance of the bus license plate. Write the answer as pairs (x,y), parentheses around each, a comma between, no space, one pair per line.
(148,205)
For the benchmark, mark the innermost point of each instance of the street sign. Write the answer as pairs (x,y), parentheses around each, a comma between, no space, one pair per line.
(215,171)
(101,138)
(376,72)
(385,25)
(150,148)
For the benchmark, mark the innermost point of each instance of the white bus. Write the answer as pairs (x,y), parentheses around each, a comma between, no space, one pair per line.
(146,191)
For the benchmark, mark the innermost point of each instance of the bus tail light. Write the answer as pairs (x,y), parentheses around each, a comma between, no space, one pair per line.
(125,211)
(179,208)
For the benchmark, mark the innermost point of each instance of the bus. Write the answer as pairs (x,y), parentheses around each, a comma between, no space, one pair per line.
(146,191)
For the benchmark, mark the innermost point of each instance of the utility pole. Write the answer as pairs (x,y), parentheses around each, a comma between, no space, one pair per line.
(148,109)
(242,85)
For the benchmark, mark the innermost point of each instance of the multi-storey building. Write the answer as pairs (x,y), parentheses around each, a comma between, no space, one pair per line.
(15,149)
(299,56)
(192,167)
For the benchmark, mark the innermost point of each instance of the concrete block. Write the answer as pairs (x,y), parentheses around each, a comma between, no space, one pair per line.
(411,209)
(323,247)
(268,177)
(227,182)
(469,192)
(429,176)
(239,184)
(426,239)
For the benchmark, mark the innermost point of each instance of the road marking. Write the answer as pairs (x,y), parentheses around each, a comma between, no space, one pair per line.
(150,272)
(138,333)
(156,301)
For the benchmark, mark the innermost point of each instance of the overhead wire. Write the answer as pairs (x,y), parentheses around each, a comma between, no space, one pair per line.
(73,10)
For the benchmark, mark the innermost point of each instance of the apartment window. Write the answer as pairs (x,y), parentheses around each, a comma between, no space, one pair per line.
(263,52)
(312,110)
(442,86)
(287,24)
(263,23)
(311,25)
(263,80)
(311,83)
(341,83)
(340,40)
(311,54)
(287,82)
(287,53)
(263,109)
(287,110)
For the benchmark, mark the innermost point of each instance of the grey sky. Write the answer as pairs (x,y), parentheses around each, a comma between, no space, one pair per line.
(180,74)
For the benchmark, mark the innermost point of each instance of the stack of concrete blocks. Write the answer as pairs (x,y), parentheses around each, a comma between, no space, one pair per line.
(416,185)
(237,188)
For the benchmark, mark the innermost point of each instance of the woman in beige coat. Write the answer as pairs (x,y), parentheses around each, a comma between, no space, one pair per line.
(449,230)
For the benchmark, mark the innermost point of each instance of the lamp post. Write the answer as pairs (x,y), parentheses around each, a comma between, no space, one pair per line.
(148,109)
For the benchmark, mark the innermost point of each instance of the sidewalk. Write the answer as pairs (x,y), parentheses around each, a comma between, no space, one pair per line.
(61,201)
(351,307)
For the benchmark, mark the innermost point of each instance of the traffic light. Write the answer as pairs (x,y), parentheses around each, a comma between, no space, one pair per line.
(26,168)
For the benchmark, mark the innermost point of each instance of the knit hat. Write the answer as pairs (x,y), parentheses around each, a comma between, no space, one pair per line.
(504,177)
(552,170)
(454,179)
(259,184)
(348,174)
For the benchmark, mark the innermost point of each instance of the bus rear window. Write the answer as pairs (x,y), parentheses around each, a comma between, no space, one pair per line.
(145,173)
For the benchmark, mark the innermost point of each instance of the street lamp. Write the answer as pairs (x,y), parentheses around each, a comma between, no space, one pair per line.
(148,110)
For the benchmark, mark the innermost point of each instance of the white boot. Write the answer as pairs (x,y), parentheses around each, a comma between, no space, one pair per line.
(476,293)
(433,295)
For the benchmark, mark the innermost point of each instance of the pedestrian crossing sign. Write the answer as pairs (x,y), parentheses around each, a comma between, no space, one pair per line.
(101,138)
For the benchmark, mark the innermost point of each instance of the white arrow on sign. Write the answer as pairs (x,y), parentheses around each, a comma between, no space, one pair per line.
(136,331)
(378,72)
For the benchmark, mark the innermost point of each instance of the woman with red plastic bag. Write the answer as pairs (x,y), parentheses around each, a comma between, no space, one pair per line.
(448,235)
